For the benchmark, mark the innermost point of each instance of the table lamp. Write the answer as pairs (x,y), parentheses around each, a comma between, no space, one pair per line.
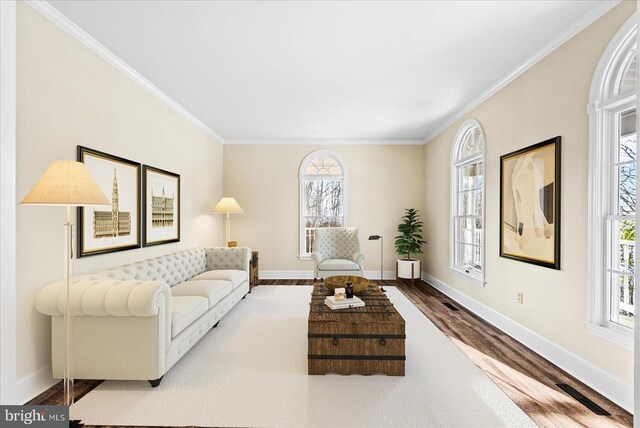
(228,206)
(375,238)
(68,184)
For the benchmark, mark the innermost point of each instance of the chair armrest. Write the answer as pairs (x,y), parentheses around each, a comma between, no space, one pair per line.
(228,258)
(105,298)
(318,257)
(357,258)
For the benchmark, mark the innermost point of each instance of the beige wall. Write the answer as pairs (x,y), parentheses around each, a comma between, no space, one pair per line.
(381,182)
(549,99)
(68,96)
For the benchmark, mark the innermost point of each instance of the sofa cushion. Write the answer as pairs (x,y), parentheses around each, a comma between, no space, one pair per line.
(338,264)
(236,277)
(213,290)
(172,268)
(185,310)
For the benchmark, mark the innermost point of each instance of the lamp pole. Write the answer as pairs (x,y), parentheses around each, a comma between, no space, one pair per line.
(68,376)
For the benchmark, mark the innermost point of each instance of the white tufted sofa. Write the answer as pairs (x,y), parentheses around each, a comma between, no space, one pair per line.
(337,251)
(136,321)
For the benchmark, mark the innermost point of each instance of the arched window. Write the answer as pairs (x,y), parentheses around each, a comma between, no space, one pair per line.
(467,202)
(612,189)
(322,195)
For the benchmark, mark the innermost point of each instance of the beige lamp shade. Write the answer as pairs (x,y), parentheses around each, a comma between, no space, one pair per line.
(66,183)
(227,205)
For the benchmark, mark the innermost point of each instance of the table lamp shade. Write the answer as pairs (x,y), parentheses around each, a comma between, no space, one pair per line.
(227,205)
(66,183)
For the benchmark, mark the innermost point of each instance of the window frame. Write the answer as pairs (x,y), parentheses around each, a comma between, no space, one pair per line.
(605,105)
(302,177)
(455,165)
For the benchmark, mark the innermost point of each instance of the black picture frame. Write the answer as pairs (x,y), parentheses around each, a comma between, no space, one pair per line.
(88,243)
(152,177)
(519,239)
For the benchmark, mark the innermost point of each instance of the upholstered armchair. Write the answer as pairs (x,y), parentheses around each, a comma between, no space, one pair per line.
(337,251)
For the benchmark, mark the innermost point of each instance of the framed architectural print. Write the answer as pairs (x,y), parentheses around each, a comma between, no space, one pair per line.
(530,204)
(161,200)
(116,228)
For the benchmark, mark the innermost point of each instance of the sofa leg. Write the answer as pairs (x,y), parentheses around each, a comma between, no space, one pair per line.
(216,324)
(245,295)
(155,383)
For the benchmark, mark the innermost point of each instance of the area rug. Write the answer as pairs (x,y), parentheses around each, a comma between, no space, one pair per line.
(251,371)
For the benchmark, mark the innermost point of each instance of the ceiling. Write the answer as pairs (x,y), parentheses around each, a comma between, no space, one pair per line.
(328,70)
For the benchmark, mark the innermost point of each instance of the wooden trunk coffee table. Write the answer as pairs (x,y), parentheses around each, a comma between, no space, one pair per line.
(365,340)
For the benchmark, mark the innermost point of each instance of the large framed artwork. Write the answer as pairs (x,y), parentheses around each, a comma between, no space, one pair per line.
(530,204)
(161,200)
(116,228)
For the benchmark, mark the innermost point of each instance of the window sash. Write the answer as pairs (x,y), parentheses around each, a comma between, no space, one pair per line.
(468,206)
(332,212)
(619,261)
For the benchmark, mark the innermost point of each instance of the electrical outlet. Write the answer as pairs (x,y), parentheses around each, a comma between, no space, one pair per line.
(520,297)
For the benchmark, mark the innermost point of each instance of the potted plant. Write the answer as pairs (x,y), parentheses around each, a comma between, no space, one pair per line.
(409,242)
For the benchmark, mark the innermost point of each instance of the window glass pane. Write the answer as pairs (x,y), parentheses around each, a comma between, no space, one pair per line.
(480,174)
(622,299)
(323,198)
(477,259)
(468,258)
(622,237)
(629,79)
(477,237)
(627,138)
(478,202)
(465,256)
(464,230)
(626,189)
(323,165)
(309,235)
(470,176)
(472,144)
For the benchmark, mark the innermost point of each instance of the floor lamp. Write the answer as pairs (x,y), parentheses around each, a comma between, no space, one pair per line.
(375,238)
(228,206)
(68,184)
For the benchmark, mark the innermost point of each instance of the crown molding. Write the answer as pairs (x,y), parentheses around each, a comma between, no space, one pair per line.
(586,20)
(99,49)
(303,142)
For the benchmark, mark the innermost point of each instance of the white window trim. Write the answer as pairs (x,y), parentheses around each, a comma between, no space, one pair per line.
(453,166)
(602,104)
(8,341)
(302,177)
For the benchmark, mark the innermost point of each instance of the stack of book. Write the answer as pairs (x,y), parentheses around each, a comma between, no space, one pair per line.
(353,302)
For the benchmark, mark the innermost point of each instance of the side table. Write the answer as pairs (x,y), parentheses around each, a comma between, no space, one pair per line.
(253,270)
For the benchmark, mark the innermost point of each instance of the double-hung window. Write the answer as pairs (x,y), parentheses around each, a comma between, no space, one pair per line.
(612,190)
(322,196)
(467,202)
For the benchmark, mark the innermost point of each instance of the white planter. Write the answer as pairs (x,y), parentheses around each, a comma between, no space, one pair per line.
(409,269)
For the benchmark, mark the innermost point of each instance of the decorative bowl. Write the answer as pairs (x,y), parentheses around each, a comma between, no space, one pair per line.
(358,283)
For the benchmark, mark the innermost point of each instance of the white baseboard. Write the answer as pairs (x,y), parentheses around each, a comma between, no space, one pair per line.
(308,274)
(34,384)
(285,274)
(611,387)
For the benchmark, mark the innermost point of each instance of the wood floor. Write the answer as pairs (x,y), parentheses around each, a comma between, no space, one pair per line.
(526,377)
